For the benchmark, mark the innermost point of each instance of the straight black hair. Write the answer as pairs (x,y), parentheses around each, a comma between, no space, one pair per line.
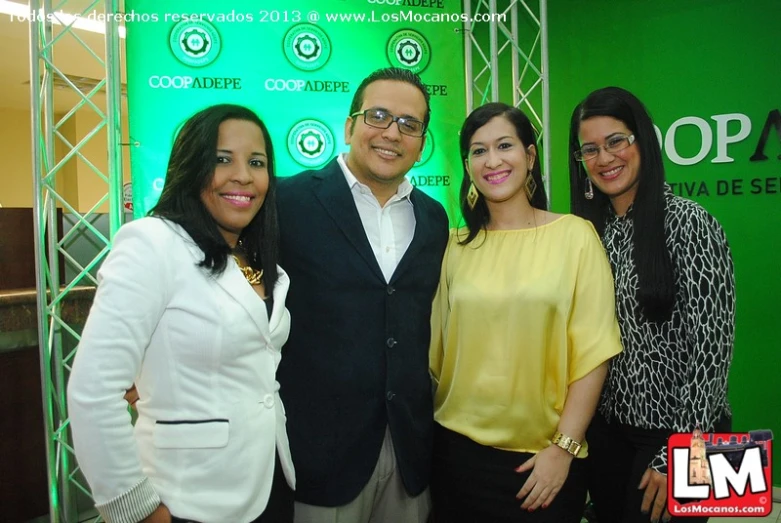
(656,282)
(477,219)
(191,170)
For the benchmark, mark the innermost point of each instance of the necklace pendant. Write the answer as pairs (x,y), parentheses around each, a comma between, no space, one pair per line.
(253,276)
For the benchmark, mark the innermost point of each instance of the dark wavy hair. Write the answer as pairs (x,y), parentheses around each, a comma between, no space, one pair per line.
(395,74)
(477,219)
(191,170)
(656,285)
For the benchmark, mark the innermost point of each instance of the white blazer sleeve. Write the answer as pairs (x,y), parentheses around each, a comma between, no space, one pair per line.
(132,294)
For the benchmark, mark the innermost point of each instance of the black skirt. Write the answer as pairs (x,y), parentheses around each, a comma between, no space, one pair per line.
(472,483)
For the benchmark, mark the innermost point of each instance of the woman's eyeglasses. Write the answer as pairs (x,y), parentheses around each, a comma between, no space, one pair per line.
(615,143)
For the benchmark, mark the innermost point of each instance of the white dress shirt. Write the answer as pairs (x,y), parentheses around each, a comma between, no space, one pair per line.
(389,228)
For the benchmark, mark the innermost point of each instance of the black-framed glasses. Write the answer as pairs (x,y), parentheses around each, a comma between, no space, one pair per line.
(617,142)
(382,119)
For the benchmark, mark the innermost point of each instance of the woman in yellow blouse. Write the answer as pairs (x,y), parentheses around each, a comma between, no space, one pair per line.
(522,327)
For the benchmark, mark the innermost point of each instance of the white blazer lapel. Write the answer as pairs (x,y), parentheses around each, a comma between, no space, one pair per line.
(237,287)
(279,323)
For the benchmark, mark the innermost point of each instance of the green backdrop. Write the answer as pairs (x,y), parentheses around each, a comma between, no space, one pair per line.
(299,76)
(696,60)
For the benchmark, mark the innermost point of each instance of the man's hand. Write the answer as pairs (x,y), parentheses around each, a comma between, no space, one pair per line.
(160,515)
(131,396)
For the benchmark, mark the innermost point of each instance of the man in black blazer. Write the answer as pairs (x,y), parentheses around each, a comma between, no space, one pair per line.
(363,249)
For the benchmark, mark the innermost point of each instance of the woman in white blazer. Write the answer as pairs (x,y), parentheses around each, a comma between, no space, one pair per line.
(190,307)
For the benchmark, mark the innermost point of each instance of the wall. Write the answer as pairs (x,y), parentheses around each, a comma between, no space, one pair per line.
(76,182)
(16,186)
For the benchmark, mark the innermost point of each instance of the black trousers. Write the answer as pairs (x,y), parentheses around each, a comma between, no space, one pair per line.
(472,483)
(618,457)
(280,502)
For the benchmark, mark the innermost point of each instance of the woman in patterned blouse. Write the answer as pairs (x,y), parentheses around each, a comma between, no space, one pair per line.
(675,299)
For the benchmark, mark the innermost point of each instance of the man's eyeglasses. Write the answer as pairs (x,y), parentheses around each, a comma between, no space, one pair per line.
(613,144)
(381,119)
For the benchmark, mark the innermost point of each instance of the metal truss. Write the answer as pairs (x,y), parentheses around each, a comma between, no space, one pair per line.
(512,54)
(68,493)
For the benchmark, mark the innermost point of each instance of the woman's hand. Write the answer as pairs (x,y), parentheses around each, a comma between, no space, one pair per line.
(160,515)
(550,468)
(655,498)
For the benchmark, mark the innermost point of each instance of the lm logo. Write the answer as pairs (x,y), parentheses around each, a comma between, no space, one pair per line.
(720,474)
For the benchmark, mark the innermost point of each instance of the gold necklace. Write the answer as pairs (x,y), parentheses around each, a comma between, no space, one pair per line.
(253,276)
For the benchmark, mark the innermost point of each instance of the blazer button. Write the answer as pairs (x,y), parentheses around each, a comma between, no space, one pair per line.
(390,395)
(390,342)
(390,290)
(268,401)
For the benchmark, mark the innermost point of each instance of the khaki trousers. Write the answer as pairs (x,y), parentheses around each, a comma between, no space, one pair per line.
(383,500)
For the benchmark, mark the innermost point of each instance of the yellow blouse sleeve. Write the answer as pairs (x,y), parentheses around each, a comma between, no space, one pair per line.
(439,316)
(593,332)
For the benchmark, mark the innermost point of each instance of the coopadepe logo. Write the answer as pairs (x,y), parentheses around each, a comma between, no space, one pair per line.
(310,143)
(307,47)
(195,43)
(409,49)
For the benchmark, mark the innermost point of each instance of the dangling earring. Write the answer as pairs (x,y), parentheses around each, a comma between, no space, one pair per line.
(530,186)
(589,193)
(472,195)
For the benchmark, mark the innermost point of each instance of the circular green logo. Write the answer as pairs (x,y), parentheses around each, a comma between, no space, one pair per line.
(307,47)
(195,43)
(409,49)
(310,143)
(428,149)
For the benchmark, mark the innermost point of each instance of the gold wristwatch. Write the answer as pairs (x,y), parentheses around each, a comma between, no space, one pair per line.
(567,443)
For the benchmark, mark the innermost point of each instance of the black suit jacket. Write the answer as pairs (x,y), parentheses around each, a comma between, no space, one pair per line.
(356,361)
